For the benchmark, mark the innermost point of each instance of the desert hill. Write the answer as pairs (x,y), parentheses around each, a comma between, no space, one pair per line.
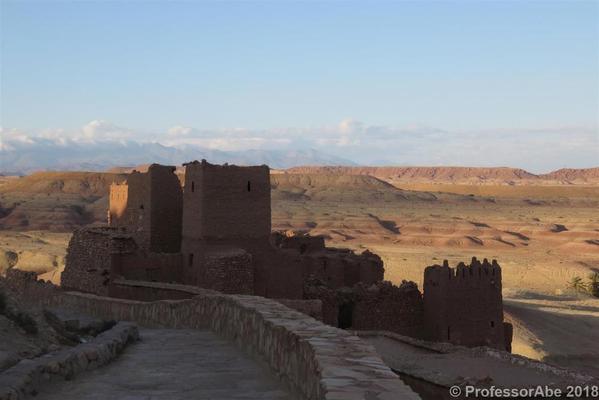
(346,188)
(82,183)
(460,175)
(570,175)
(543,230)
(59,201)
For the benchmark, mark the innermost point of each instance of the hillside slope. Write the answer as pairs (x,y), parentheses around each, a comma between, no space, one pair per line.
(59,201)
(460,175)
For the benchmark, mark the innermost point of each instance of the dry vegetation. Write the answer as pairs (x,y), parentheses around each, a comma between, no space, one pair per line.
(544,232)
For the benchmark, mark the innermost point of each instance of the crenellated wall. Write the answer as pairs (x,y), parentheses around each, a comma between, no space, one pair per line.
(464,305)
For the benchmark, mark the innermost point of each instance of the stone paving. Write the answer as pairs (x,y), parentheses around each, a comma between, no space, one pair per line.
(174,364)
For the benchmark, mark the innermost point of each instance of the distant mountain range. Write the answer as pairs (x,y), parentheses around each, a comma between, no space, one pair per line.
(44,155)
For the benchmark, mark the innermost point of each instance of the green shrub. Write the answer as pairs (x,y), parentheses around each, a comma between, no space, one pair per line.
(578,284)
(594,284)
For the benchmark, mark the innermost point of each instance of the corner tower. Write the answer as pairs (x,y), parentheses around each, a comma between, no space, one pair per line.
(464,305)
(149,206)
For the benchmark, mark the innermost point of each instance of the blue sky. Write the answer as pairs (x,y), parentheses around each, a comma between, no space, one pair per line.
(425,73)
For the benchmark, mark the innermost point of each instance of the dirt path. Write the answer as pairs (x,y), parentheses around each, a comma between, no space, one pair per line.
(560,331)
(173,365)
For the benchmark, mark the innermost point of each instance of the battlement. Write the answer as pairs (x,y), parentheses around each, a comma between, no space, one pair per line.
(474,274)
(464,305)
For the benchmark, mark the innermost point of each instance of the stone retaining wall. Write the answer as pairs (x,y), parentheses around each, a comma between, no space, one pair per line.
(316,361)
(26,377)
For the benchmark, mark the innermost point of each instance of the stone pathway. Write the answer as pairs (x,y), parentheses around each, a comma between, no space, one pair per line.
(173,364)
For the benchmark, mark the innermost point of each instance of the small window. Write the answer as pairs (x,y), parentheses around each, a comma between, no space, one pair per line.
(141,207)
(190,259)
(492,324)
(193,186)
(249,186)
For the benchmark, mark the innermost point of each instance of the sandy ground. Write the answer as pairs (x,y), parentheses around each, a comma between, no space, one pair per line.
(561,330)
(39,251)
(542,238)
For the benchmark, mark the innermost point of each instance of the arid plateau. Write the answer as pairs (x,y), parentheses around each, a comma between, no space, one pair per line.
(543,229)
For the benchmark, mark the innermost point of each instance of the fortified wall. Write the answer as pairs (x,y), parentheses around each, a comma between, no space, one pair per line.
(215,233)
(316,361)
(149,207)
(464,305)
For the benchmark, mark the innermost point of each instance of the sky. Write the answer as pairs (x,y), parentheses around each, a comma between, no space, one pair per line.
(511,83)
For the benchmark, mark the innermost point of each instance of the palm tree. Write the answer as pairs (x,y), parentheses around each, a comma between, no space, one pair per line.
(577,284)
(593,284)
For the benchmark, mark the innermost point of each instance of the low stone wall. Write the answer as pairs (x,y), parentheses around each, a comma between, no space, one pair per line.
(315,360)
(384,306)
(28,376)
(312,308)
(231,272)
(153,291)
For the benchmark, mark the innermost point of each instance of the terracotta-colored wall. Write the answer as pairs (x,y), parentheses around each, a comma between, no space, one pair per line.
(151,267)
(464,305)
(229,271)
(149,206)
(226,201)
(88,264)
(166,211)
(387,307)
(130,205)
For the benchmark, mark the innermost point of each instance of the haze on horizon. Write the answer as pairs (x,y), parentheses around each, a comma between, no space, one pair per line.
(461,83)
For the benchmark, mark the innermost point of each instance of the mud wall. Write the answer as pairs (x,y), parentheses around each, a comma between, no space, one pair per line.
(464,305)
(226,201)
(151,267)
(167,209)
(149,206)
(129,208)
(230,271)
(387,307)
(89,258)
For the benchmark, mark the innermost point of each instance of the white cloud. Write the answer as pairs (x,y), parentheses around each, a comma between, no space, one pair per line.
(103,130)
(538,149)
(178,131)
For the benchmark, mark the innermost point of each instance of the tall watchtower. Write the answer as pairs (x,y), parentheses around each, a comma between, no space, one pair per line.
(226,203)
(464,305)
(149,207)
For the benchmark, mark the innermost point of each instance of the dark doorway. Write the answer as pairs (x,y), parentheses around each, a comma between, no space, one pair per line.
(249,186)
(345,316)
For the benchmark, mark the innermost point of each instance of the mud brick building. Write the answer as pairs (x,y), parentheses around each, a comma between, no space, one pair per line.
(215,233)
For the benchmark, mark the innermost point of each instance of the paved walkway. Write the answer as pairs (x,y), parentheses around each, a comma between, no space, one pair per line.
(173,364)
